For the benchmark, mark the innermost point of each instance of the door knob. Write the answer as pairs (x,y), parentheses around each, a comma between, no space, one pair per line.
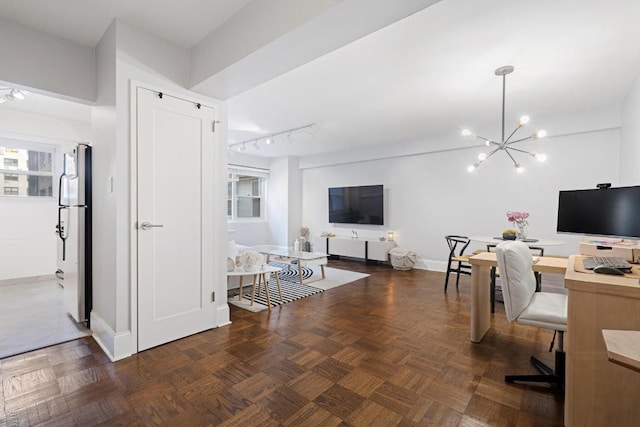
(147,225)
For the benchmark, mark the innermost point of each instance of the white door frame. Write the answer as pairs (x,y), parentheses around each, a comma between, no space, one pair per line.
(221,301)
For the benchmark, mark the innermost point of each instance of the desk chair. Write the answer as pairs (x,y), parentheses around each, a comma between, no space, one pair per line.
(535,250)
(457,246)
(526,306)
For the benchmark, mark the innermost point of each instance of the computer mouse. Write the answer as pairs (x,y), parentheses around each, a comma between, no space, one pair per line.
(603,269)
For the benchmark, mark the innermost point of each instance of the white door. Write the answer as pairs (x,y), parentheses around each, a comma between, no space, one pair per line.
(174,218)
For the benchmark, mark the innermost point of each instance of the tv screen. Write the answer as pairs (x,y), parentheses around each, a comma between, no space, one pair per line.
(602,212)
(356,205)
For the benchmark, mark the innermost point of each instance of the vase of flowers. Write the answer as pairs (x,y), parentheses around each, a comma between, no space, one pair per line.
(251,260)
(519,220)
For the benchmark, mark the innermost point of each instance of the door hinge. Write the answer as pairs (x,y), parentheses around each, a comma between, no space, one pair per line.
(213,125)
(213,296)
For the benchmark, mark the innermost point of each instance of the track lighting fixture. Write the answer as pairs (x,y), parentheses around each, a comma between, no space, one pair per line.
(271,139)
(11,94)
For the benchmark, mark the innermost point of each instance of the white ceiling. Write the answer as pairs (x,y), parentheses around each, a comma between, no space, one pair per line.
(429,74)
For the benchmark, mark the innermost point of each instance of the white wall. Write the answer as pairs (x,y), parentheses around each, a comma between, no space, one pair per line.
(127,55)
(42,61)
(430,195)
(630,143)
(27,238)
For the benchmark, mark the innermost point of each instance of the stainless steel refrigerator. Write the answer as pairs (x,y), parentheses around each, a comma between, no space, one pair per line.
(74,232)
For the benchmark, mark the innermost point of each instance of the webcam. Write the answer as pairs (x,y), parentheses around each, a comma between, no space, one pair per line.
(604,185)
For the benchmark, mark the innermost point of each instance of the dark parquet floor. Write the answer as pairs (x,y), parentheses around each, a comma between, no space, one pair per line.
(391,349)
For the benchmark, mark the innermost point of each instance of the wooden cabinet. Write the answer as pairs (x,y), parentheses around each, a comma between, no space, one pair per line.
(598,392)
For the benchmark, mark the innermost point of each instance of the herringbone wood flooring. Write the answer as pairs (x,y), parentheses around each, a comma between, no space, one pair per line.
(391,349)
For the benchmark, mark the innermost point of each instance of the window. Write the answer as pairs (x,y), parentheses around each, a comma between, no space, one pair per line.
(25,170)
(245,193)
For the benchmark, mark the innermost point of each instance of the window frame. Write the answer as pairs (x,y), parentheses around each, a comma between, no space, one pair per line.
(51,149)
(234,174)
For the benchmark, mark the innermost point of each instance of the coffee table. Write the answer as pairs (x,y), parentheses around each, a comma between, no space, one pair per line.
(319,258)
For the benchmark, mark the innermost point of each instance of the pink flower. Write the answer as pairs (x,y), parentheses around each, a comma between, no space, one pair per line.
(514,216)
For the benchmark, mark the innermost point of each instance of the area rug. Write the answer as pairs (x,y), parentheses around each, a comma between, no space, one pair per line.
(292,290)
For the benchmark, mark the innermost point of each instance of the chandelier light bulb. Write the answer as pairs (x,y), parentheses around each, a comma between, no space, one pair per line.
(471,168)
(269,141)
(519,168)
(482,156)
(487,143)
(541,133)
(466,132)
(541,157)
(523,120)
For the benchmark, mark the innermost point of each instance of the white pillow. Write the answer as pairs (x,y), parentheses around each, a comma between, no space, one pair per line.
(516,275)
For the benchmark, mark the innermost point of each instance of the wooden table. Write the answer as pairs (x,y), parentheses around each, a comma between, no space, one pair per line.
(481,292)
(261,276)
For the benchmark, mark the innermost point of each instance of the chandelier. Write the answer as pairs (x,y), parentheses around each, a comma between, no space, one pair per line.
(506,145)
(11,94)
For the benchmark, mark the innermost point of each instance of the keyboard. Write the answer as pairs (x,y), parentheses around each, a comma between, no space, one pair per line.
(606,261)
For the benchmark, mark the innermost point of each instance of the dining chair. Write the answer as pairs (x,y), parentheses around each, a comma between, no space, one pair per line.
(495,273)
(457,246)
(527,307)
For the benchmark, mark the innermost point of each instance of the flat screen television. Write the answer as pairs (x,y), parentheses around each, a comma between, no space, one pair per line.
(601,212)
(357,205)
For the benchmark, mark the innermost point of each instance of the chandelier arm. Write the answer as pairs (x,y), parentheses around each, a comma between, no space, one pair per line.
(520,140)
(512,133)
(519,150)
(486,140)
(495,150)
(509,154)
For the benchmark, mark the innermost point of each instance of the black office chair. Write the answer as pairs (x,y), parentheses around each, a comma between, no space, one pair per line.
(535,250)
(457,246)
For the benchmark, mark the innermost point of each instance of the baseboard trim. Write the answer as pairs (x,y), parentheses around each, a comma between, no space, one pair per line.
(223,315)
(30,279)
(115,346)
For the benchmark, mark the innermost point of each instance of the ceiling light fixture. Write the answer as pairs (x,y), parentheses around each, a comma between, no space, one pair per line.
(506,145)
(11,94)
(271,139)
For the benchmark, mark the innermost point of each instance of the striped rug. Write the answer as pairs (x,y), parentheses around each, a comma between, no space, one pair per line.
(292,290)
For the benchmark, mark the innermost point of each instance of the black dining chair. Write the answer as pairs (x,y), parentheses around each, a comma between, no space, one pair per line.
(457,246)
(535,250)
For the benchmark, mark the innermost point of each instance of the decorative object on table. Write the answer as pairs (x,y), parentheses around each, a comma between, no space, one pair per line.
(232,255)
(390,236)
(509,234)
(251,260)
(307,246)
(519,219)
(506,145)
(304,239)
(296,245)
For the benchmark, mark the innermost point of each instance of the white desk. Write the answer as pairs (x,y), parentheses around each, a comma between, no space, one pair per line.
(261,275)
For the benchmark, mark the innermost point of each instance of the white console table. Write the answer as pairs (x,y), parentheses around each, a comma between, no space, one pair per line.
(369,250)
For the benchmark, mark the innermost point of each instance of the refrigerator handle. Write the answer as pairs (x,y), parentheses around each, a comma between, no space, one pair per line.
(60,189)
(61,233)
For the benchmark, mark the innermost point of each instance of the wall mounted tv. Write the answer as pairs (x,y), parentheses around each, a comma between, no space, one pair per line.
(357,205)
(600,212)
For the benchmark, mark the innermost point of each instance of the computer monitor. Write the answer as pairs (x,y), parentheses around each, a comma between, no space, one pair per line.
(613,212)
